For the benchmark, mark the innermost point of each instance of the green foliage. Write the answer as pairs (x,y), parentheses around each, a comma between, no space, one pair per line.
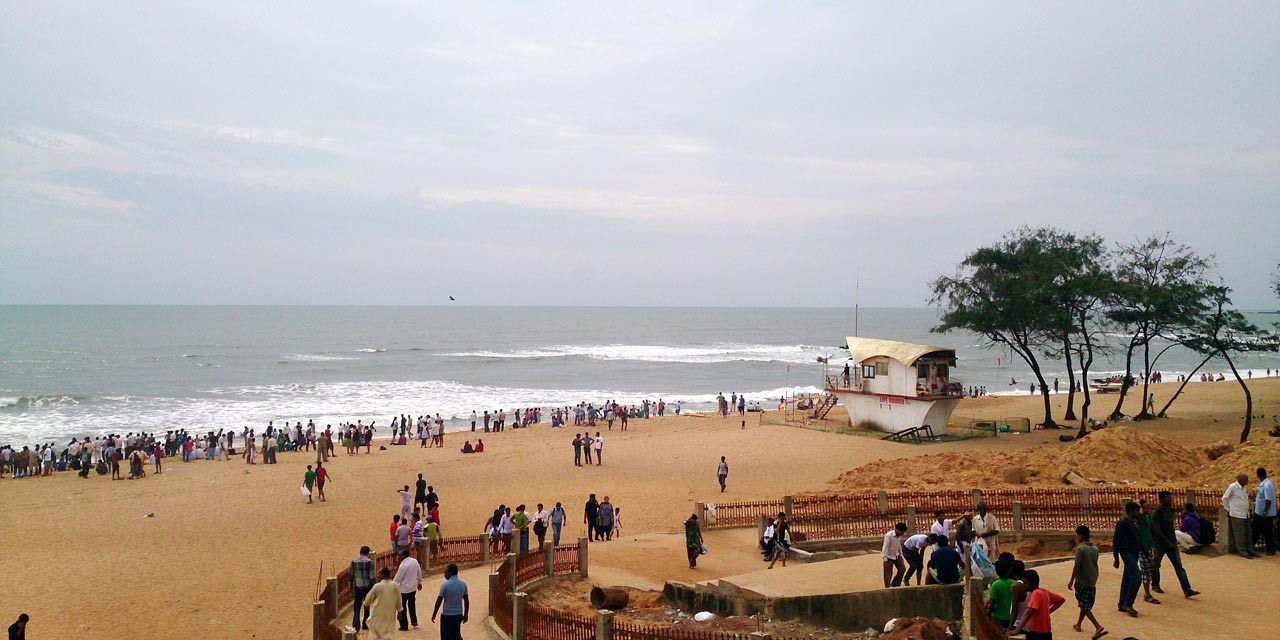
(1021,292)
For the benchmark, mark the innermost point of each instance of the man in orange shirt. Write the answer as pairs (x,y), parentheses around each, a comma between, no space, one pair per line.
(1035,621)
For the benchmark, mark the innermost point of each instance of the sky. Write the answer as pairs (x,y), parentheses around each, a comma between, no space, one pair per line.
(704,153)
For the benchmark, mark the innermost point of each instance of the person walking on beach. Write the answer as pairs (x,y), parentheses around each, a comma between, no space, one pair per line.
(308,482)
(384,604)
(1236,501)
(322,476)
(1165,544)
(692,540)
(781,540)
(722,472)
(891,555)
(361,582)
(577,449)
(557,523)
(1084,580)
(409,581)
(453,604)
(599,445)
(1126,546)
(606,520)
(589,514)
(541,520)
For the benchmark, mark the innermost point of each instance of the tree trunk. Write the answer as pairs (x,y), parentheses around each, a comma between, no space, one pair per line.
(1116,414)
(1084,387)
(1084,370)
(1044,393)
(1248,398)
(1182,386)
(1071,383)
(1146,381)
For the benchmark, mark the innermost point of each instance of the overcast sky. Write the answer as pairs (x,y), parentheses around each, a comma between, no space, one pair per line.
(606,153)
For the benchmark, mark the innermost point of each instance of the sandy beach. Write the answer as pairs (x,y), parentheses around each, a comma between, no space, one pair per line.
(233,551)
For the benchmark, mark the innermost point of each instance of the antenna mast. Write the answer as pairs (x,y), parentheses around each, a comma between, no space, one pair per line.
(857,286)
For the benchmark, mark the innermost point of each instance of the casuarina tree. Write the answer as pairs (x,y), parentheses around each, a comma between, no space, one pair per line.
(1008,293)
(1221,331)
(1159,290)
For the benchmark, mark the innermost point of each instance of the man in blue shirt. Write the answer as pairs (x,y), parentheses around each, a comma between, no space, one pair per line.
(1264,512)
(457,605)
(945,562)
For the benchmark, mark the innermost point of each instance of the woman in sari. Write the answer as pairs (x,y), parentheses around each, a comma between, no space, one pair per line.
(693,540)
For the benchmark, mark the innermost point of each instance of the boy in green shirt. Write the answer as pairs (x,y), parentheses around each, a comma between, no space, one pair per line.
(309,481)
(521,522)
(999,597)
(1084,579)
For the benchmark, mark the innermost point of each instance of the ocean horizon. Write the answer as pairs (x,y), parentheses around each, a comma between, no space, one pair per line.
(74,370)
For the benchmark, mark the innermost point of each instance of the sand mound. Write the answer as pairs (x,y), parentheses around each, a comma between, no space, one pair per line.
(1244,458)
(1125,455)
(1114,456)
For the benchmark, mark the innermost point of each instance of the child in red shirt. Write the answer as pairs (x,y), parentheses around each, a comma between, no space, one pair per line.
(1040,604)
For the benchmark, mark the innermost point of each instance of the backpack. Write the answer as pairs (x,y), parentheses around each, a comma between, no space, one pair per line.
(1208,535)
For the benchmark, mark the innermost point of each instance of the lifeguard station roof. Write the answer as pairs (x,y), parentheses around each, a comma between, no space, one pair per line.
(860,349)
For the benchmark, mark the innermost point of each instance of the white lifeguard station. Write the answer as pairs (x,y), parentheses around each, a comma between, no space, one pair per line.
(895,386)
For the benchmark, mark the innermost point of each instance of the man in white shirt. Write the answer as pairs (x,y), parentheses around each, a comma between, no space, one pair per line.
(541,522)
(1236,501)
(891,555)
(913,552)
(406,502)
(986,531)
(505,528)
(409,579)
(599,445)
(941,525)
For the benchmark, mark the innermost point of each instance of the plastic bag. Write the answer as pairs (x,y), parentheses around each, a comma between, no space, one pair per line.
(703,550)
(981,562)
(306,493)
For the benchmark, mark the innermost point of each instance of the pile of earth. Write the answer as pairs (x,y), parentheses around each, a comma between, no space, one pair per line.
(1116,456)
(1240,458)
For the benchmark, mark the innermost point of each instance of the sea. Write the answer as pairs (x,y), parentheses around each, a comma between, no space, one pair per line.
(71,371)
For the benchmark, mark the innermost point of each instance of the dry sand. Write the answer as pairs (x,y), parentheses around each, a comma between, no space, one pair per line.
(234,552)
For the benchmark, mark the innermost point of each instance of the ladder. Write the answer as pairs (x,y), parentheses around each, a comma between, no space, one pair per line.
(820,413)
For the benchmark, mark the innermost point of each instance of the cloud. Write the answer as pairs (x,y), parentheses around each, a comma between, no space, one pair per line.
(65,196)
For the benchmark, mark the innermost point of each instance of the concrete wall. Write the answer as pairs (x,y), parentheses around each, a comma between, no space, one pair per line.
(846,611)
